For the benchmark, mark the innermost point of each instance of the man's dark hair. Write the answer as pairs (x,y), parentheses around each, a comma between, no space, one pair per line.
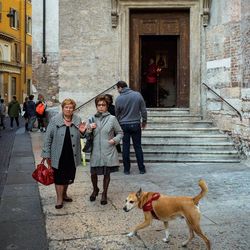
(121,84)
(2,100)
(14,97)
(31,97)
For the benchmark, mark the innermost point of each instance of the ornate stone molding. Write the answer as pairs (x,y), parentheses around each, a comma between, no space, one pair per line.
(114,13)
(10,67)
(206,11)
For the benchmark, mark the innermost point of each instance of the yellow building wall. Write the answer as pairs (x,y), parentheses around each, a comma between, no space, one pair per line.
(22,39)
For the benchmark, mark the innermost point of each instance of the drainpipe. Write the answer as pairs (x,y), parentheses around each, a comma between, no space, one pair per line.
(25,45)
(44,58)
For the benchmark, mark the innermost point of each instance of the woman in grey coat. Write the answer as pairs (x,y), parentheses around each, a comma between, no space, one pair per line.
(62,148)
(104,156)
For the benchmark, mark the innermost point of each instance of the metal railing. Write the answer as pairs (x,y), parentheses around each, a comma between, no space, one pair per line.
(230,105)
(93,98)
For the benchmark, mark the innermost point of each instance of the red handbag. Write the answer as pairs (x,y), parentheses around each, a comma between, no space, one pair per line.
(43,174)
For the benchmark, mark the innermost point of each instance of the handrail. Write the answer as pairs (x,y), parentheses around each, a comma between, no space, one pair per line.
(93,98)
(230,105)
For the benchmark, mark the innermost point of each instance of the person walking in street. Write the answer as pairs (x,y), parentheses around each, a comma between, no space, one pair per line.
(25,116)
(31,112)
(40,113)
(107,133)
(131,113)
(14,110)
(62,148)
(2,113)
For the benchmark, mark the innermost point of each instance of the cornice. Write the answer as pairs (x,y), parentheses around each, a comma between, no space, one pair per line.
(10,67)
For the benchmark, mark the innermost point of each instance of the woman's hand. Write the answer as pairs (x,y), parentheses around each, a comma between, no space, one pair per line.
(112,142)
(82,127)
(92,125)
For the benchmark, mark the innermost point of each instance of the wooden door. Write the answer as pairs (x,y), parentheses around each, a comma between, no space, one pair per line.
(164,23)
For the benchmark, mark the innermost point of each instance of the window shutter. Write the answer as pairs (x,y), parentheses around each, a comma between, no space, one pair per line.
(18,56)
(11,18)
(17,19)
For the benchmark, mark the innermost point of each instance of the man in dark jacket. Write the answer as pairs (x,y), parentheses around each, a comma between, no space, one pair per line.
(131,113)
(31,112)
(14,110)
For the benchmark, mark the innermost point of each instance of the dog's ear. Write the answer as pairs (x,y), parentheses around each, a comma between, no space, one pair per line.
(138,194)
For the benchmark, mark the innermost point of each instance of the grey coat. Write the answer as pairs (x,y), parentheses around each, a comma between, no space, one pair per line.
(54,138)
(103,153)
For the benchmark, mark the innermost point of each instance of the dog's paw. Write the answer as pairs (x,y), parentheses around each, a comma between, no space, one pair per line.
(131,234)
(166,240)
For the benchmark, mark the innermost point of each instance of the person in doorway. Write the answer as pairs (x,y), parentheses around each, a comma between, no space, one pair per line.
(151,83)
(131,113)
(14,110)
(31,113)
(62,148)
(40,113)
(104,156)
(2,113)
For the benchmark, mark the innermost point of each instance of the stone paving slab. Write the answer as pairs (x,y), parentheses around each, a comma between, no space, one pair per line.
(88,225)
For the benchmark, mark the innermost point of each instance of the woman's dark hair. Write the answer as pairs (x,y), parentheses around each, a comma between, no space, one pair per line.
(109,98)
(101,98)
(121,84)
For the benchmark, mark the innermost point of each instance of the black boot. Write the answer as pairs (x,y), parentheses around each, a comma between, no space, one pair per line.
(95,192)
(106,181)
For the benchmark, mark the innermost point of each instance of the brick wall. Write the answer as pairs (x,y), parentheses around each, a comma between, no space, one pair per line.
(228,64)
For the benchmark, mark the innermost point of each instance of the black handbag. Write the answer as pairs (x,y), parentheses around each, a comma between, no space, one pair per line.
(89,143)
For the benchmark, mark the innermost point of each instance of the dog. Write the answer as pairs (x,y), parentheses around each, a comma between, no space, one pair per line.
(166,208)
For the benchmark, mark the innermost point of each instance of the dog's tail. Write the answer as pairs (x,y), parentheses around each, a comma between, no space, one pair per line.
(203,192)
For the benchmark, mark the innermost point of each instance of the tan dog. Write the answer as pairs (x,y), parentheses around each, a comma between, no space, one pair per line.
(166,208)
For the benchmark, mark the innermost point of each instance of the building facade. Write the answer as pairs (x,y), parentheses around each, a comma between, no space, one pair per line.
(46,48)
(191,41)
(15,49)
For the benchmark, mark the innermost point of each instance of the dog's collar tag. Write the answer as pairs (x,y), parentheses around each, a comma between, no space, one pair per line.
(148,207)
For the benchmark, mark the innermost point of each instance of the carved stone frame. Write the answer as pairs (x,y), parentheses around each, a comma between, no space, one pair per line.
(196,23)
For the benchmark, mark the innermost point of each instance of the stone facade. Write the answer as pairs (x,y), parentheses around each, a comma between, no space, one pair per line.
(227,65)
(45,78)
(89,51)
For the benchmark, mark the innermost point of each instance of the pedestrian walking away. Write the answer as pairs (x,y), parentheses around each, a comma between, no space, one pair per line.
(31,112)
(62,148)
(40,113)
(107,133)
(2,113)
(131,113)
(14,110)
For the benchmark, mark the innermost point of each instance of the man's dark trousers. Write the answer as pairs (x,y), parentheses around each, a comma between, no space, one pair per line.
(134,131)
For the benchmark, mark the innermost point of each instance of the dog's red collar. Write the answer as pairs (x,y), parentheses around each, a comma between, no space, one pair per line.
(148,207)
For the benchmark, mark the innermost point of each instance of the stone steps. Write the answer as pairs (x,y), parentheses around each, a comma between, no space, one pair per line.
(173,135)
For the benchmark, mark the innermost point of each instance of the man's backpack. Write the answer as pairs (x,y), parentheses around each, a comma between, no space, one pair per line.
(40,108)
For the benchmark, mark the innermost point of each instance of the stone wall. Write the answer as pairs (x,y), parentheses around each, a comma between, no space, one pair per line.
(88,49)
(45,77)
(227,65)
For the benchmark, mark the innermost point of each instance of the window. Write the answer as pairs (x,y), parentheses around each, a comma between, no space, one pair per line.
(14,18)
(16,52)
(28,25)
(29,54)
(0,12)
(13,86)
(28,87)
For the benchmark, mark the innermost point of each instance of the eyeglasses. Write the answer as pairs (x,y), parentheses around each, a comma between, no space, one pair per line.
(101,104)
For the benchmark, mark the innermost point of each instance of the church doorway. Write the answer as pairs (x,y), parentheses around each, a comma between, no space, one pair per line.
(162,37)
(159,70)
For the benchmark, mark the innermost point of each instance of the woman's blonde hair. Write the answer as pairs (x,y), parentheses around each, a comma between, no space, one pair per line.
(68,101)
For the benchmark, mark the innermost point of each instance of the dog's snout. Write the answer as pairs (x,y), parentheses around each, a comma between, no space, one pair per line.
(125,209)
